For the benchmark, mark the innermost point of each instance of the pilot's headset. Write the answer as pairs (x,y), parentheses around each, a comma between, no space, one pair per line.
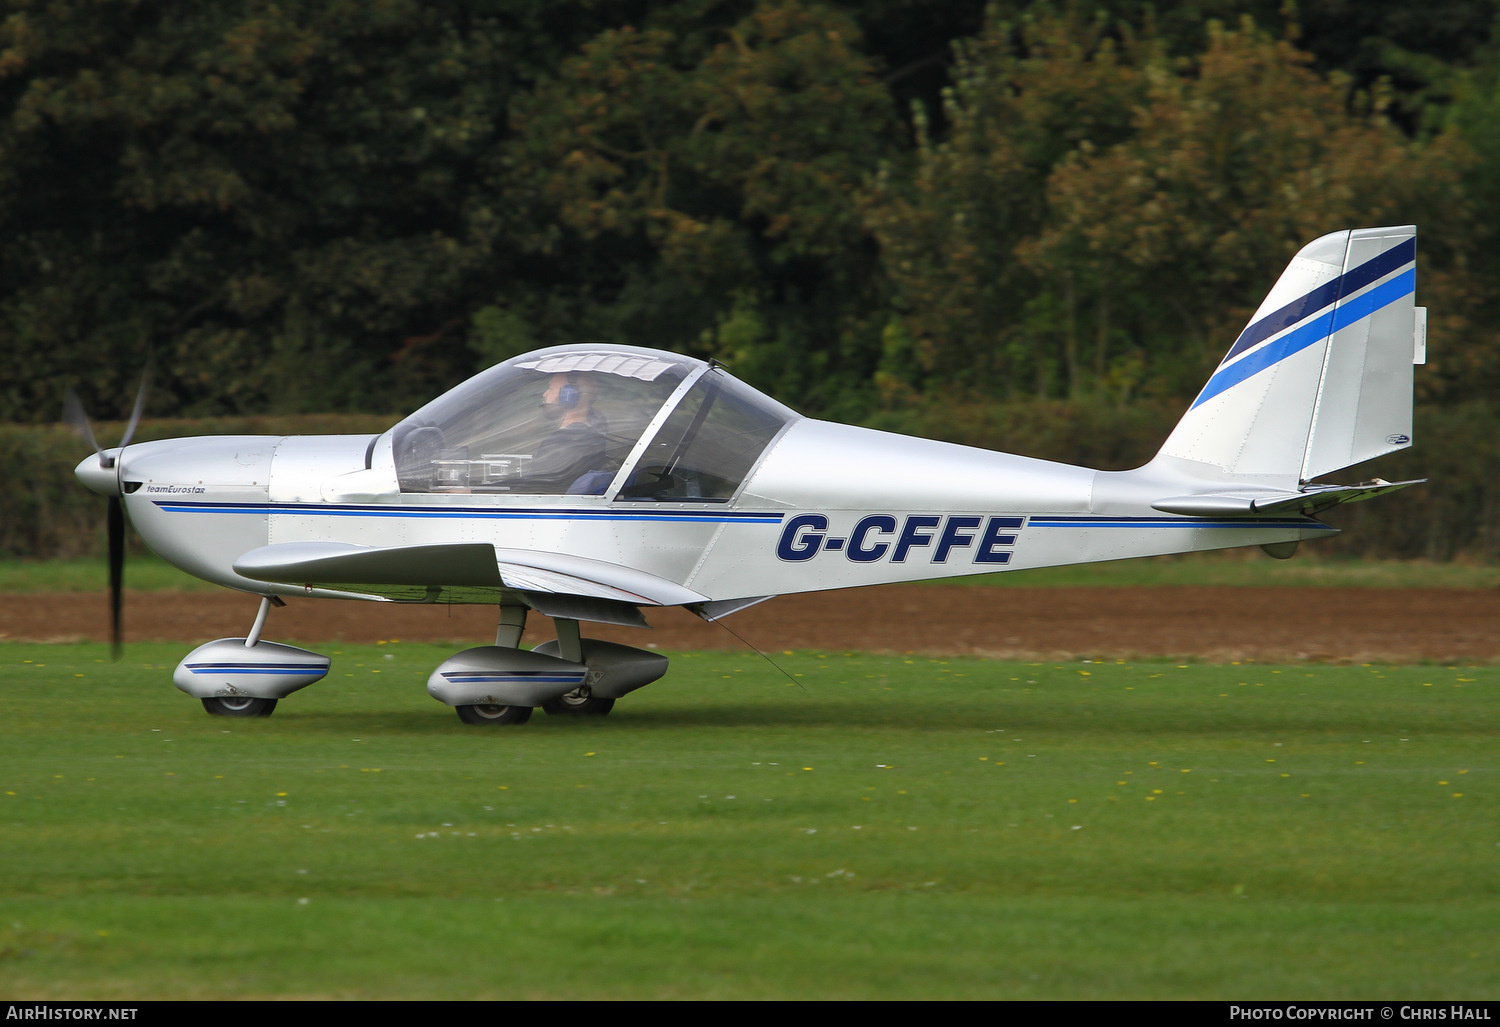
(569,395)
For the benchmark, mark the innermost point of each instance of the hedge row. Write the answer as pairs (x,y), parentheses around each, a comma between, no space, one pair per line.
(45,513)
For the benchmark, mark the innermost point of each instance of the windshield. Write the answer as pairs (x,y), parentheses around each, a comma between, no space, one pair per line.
(550,423)
(708,444)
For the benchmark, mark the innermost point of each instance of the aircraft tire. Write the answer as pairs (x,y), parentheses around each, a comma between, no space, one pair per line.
(574,704)
(493,714)
(239,706)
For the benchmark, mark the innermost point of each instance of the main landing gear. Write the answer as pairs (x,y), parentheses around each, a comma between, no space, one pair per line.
(502,683)
(581,702)
(488,714)
(239,706)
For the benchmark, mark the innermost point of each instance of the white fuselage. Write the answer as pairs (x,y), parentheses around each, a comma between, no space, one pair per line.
(826,506)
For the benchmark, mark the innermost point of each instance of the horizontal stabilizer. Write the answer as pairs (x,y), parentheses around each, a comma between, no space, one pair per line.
(1310,500)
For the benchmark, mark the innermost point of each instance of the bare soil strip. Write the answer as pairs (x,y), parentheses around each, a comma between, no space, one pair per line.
(1218,624)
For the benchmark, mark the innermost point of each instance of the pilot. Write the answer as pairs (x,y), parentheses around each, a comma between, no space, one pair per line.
(576,447)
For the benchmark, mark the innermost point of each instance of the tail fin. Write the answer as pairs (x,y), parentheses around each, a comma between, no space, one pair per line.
(1321,378)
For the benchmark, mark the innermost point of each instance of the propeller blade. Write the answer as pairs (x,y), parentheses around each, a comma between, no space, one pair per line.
(116,572)
(78,420)
(140,403)
(74,415)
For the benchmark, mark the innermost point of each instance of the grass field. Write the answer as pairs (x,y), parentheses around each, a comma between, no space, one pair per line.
(893,828)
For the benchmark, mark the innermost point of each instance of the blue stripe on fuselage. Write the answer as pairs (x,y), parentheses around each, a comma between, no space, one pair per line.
(1171,522)
(470,513)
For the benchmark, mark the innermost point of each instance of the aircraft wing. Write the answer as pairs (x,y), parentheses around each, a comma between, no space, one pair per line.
(555,584)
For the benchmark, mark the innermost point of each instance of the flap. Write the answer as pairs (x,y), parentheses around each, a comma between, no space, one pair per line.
(722,608)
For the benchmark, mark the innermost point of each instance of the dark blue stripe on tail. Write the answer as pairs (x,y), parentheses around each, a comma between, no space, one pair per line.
(1322,296)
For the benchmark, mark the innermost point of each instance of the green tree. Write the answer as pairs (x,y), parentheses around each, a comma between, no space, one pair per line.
(1024,96)
(1103,217)
(279,198)
(712,165)
(1235,160)
(1470,350)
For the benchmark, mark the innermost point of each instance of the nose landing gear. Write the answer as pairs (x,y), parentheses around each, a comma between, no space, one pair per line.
(244,677)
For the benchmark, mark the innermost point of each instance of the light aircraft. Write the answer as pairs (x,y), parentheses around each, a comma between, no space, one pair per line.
(591,483)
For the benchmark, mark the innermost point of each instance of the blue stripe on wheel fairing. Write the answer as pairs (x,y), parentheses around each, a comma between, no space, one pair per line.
(1313,331)
(257,668)
(1323,296)
(491,678)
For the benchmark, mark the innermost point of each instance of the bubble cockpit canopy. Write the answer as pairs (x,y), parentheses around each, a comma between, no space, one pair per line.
(565,421)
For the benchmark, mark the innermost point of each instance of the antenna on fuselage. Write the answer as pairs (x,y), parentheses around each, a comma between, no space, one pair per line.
(748,645)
